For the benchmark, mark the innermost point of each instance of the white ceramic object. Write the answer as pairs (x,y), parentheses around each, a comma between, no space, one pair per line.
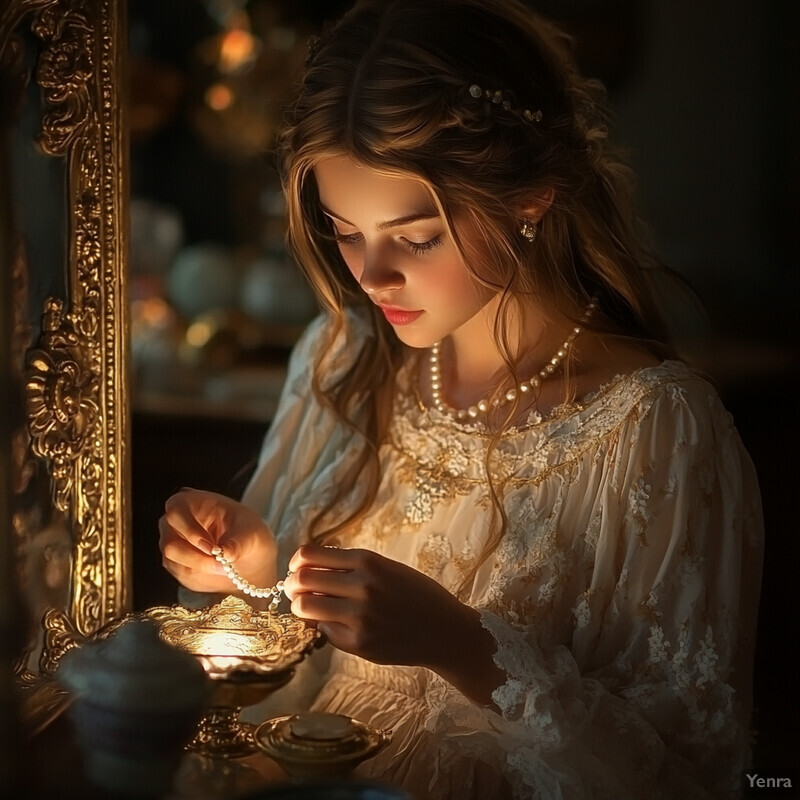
(203,278)
(274,291)
(137,704)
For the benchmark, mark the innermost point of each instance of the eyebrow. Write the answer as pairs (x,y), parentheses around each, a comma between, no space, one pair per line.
(391,223)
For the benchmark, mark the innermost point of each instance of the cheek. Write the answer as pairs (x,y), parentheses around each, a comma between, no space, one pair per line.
(354,264)
(457,282)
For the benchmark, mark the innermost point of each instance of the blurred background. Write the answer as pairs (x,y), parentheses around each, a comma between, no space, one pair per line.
(705,97)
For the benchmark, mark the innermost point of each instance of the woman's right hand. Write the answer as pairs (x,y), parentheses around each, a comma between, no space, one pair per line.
(194,522)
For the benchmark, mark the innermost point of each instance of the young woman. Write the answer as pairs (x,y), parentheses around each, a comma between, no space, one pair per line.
(530,534)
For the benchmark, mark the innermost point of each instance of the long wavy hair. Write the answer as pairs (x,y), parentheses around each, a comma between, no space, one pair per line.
(389,85)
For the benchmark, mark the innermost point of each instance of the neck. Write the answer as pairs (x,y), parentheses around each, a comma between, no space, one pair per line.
(469,366)
(473,359)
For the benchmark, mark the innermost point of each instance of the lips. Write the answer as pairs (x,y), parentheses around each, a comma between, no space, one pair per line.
(399,316)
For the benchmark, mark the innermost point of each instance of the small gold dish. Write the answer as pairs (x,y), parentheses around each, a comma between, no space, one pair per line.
(317,744)
(247,654)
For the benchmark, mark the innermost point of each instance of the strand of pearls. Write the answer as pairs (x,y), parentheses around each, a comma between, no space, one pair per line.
(482,406)
(275,592)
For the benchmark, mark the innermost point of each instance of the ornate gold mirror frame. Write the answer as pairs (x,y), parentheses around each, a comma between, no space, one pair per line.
(75,375)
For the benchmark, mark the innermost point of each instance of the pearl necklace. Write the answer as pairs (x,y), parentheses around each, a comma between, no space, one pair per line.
(248,588)
(482,406)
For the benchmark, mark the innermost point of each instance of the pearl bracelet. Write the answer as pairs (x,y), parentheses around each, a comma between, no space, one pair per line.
(248,588)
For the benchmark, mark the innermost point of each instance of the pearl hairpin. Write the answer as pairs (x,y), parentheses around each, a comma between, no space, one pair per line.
(482,406)
(499,98)
(246,587)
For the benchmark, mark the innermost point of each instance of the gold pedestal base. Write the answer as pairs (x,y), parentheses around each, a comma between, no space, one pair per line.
(221,734)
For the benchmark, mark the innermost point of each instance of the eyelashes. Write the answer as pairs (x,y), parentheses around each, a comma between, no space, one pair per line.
(350,238)
(418,248)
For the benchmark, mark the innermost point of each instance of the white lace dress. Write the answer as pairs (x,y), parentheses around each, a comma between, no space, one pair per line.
(622,598)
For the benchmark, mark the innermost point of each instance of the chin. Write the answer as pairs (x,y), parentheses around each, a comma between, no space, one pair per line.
(420,340)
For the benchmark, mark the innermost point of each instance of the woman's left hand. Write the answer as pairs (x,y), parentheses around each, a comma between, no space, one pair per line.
(377,608)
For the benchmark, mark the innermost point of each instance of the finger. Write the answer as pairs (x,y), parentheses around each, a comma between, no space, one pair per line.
(179,517)
(338,635)
(198,580)
(323,608)
(326,557)
(230,546)
(169,537)
(336,583)
(179,551)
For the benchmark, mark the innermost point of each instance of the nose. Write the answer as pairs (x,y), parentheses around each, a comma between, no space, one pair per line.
(378,276)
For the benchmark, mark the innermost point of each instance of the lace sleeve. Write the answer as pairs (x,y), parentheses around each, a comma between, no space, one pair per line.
(648,694)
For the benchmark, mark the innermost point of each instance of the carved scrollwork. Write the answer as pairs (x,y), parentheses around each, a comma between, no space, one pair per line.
(61,398)
(76,392)
(64,72)
(61,636)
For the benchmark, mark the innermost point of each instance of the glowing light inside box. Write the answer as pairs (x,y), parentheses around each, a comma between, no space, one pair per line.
(229,643)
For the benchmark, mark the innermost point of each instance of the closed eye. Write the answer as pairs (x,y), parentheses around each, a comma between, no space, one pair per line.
(420,248)
(350,238)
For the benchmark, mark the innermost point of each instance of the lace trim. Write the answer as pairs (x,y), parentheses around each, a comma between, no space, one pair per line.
(622,385)
(529,691)
(444,449)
